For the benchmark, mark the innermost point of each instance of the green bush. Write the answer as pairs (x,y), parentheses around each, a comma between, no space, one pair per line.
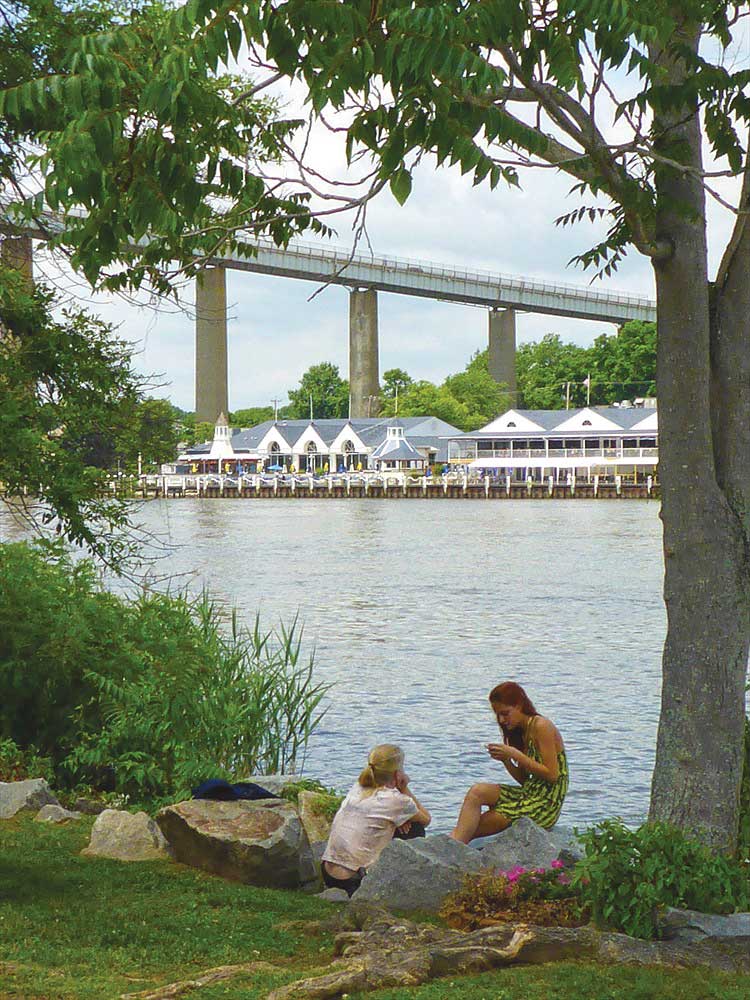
(158,692)
(744,832)
(328,799)
(18,765)
(627,875)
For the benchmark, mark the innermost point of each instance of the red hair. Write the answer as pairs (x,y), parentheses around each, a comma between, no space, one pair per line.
(510,693)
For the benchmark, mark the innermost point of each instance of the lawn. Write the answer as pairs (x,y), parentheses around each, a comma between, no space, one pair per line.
(89,929)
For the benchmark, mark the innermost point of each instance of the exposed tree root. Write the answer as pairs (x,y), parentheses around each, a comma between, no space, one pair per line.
(378,951)
(202,979)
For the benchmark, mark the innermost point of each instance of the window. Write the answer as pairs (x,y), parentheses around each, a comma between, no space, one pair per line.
(510,423)
(586,423)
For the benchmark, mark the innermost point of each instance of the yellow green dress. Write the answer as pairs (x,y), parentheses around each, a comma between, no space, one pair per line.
(537,798)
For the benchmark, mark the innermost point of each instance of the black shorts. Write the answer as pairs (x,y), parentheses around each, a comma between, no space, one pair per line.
(349,885)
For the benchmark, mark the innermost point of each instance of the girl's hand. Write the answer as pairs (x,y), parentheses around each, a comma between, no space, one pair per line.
(402,781)
(501,751)
(404,828)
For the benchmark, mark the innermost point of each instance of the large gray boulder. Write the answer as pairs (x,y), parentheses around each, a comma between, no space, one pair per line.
(524,843)
(691,925)
(418,874)
(17,796)
(126,836)
(55,814)
(274,783)
(262,843)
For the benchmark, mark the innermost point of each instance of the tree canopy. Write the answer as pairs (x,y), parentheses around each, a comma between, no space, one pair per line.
(139,129)
(322,392)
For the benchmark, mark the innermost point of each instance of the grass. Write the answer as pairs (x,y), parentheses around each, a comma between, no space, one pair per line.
(74,928)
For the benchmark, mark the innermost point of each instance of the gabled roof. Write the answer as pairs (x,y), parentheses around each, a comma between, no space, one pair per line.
(397,449)
(545,422)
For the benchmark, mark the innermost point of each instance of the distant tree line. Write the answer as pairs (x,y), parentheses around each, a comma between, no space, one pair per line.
(550,373)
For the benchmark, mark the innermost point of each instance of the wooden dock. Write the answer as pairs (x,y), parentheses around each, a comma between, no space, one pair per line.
(342,487)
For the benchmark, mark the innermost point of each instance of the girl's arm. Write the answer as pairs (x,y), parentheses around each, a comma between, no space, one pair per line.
(422,816)
(515,771)
(544,734)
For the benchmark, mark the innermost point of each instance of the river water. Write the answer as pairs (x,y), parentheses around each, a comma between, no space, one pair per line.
(418,608)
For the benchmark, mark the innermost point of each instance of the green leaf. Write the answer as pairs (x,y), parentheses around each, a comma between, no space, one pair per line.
(400,185)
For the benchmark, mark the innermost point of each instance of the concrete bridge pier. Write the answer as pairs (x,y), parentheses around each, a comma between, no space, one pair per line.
(502,344)
(18,253)
(364,371)
(211,372)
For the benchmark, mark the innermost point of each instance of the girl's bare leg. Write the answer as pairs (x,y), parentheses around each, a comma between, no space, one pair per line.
(471,819)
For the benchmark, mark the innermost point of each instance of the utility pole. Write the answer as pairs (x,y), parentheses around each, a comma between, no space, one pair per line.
(588,388)
(567,395)
(396,401)
(311,408)
(275,409)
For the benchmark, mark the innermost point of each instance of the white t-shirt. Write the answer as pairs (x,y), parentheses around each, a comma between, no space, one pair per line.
(365,823)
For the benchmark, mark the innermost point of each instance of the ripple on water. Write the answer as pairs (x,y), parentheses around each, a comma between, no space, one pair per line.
(417,609)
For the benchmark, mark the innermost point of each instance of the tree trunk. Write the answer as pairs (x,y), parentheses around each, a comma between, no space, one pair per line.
(699,747)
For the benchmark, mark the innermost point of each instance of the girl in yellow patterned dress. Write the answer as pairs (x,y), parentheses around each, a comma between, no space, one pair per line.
(533,753)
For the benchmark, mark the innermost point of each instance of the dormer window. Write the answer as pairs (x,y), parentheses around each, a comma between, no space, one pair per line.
(587,423)
(511,423)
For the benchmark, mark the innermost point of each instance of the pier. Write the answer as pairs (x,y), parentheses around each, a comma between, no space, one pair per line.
(453,486)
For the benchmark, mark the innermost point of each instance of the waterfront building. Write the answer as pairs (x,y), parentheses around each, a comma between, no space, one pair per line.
(330,445)
(536,444)
(396,453)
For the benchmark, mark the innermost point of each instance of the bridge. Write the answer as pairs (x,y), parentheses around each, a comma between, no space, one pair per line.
(366,275)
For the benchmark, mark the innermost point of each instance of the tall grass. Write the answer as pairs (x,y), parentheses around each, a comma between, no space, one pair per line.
(211,698)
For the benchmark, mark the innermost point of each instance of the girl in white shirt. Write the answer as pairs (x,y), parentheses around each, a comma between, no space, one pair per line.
(376,807)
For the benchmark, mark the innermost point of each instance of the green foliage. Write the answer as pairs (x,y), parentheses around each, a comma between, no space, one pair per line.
(627,875)
(620,365)
(68,393)
(329,392)
(162,687)
(152,432)
(204,703)
(250,416)
(56,625)
(467,400)
(142,127)
(17,764)
(327,799)
(543,368)
(744,833)
(395,381)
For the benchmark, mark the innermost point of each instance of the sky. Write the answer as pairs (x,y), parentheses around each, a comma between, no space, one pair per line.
(275,330)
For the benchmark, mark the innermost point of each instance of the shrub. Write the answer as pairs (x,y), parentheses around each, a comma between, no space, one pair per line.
(327,799)
(537,895)
(18,765)
(627,875)
(158,692)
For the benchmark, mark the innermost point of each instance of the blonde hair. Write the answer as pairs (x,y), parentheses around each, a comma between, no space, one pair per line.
(384,760)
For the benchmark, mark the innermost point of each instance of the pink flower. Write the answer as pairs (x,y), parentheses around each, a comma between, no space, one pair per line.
(557,864)
(539,871)
(563,880)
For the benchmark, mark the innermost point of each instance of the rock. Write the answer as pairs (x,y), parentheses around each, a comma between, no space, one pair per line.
(313,810)
(524,843)
(317,850)
(334,895)
(262,843)
(126,836)
(16,796)
(690,925)
(418,874)
(89,807)
(274,783)
(55,814)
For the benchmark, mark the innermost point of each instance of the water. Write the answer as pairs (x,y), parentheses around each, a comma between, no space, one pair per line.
(418,608)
